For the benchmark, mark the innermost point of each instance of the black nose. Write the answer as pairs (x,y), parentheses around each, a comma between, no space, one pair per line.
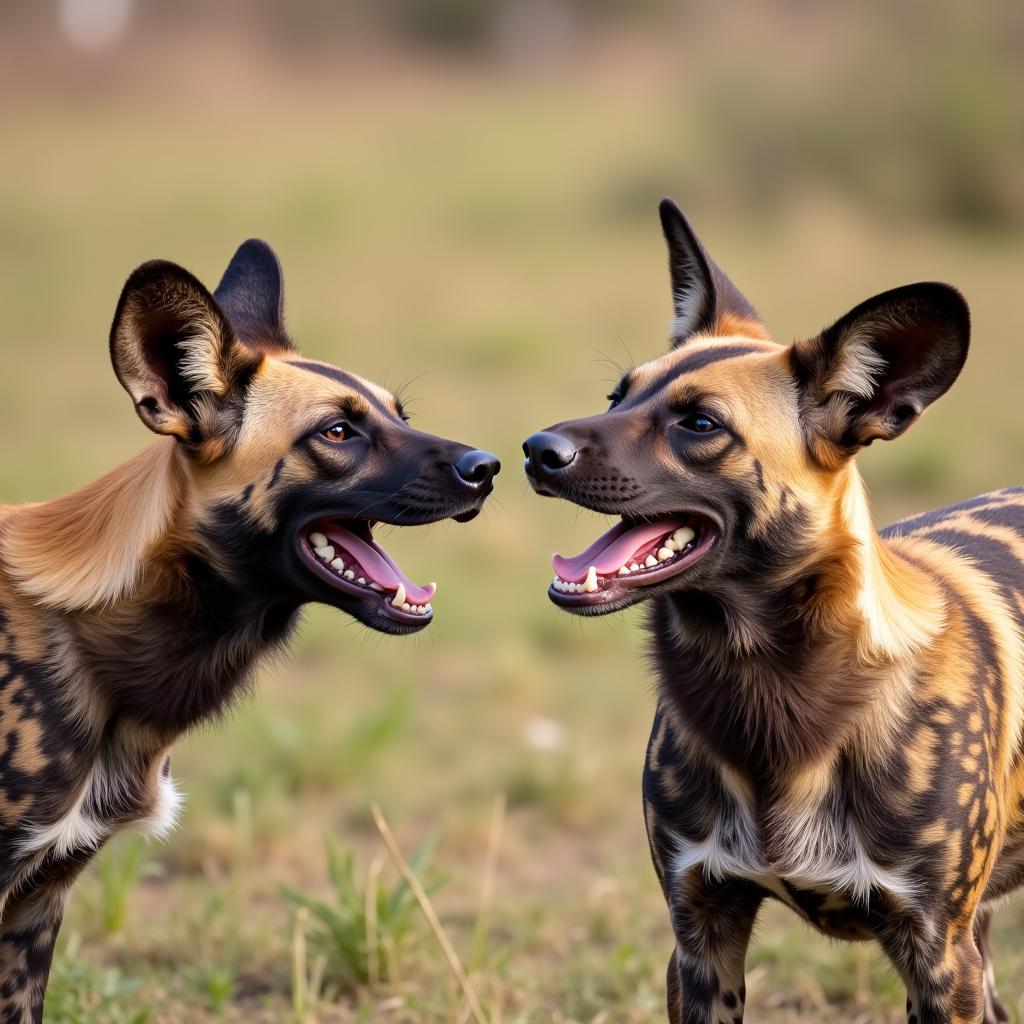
(547,452)
(477,468)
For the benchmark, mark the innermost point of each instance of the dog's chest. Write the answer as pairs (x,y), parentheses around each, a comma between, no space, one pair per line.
(123,786)
(810,855)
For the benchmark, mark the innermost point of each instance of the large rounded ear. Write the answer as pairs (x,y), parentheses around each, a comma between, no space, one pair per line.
(176,355)
(251,293)
(704,299)
(876,369)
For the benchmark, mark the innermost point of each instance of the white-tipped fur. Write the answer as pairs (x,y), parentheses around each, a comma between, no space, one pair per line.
(203,363)
(689,304)
(81,828)
(822,851)
(858,363)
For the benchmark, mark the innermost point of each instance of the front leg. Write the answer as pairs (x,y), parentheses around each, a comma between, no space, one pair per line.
(712,921)
(942,967)
(29,924)
(27,936)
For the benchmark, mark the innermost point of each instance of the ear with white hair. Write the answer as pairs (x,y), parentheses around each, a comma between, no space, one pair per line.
(705,301)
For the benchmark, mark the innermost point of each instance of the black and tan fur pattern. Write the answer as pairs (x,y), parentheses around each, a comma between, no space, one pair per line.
(839,721)
(139,606)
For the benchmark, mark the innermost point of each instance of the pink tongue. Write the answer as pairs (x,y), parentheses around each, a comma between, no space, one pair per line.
(612,549)
(378,564)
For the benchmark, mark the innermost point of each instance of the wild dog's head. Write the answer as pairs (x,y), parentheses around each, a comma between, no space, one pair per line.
(731,456)
(290,462)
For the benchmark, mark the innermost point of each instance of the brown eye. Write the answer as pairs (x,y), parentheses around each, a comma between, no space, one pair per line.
(337,431)
(698,423)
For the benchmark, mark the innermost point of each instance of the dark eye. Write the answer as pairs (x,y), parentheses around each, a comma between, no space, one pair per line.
(698,423)
(614,398)
(339,431)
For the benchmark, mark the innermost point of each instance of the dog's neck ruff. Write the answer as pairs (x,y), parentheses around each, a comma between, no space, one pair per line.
(777,667)
(145,619)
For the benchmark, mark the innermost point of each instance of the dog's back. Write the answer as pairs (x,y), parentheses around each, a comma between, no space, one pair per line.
(987,532)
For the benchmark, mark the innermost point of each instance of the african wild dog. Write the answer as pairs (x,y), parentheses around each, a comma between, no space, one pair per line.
(139,606)
(839,712)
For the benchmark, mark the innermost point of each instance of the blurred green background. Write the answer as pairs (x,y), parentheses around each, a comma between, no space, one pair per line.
(463,194)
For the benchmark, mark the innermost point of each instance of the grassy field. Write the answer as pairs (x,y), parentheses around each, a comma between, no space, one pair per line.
(499,250)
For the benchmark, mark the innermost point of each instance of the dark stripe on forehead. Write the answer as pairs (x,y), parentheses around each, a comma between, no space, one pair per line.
(695,361)
(351,382)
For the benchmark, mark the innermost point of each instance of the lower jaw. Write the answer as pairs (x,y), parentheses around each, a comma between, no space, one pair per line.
(378,602)
(615,593)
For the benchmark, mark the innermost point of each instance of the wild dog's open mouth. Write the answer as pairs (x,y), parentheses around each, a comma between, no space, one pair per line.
(344,553)
(631,554)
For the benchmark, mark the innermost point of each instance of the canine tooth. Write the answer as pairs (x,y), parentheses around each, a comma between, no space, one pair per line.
(326,553)
(362,579)
(634,567)
(683,536)
(349,574)
(318,540)
(374,585)
(671,544)
(649,561)
(338,564)
(399,599)
(624,570)
(664,554)
(590,583)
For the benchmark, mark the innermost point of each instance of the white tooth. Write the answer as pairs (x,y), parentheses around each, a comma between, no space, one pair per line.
(683,536)
(590,583)
(664,554)
(318,540)
(361,580)
(624,570)
(650,560)
(374,585)
(430,609)
(338,564)
(326,553)
(634,567)
(399,599)
(671,545)
(406,607)
(349,574)
(577,588)
(557,584)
